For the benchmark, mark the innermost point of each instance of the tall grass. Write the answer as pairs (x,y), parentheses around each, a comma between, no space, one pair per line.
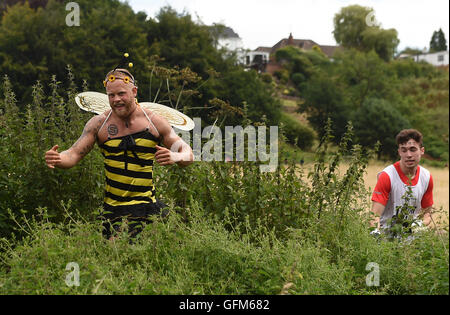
(203,256)
(232,229)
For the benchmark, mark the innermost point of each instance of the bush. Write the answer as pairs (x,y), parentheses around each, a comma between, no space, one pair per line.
(311,240)
(266,77)
(405,68)
(378,120)
(282,75)
(26,183)
(296,133)
(298,78)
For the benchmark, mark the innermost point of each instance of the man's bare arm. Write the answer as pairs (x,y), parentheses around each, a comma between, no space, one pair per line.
(377,211)
(176,150)
(79,149)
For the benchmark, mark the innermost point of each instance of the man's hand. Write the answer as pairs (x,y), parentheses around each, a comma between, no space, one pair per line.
(175,150)
(52,157)
(164,156)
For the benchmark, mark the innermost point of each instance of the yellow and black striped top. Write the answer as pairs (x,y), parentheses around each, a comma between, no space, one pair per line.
(129,169)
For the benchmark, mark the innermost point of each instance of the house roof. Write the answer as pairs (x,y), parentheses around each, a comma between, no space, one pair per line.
(302,43)
(306,44)
(264,49)
(228,32)
(329,50)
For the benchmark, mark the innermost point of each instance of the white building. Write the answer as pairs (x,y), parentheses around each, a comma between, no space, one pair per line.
(436,59)
(257,59)
(231,42)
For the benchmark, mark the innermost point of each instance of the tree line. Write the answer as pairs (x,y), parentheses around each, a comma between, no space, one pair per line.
(177,63)
(36,43)
(365,84)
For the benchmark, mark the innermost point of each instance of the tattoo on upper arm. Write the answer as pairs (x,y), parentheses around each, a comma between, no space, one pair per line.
(86,149)
(89,130)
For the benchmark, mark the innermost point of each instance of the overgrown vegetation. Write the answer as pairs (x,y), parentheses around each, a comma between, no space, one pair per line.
(232,229)
(205,257)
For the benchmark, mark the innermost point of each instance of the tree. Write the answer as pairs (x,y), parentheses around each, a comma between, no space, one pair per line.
(362,75)
(349,24)
(182,42)
(34,4)
(354,28)
(239,86)
(325,99)
(378,120)
(35,44)
(384,42)
(350,82)
(438,41)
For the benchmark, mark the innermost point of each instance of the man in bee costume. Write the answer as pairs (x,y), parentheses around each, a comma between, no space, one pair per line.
(130,139)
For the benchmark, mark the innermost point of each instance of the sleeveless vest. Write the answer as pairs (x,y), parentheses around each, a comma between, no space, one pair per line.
(399,189)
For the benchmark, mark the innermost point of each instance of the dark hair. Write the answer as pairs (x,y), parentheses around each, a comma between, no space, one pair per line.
(406,134)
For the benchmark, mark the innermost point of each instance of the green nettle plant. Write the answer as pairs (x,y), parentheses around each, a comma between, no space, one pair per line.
(402,223)
(231,230)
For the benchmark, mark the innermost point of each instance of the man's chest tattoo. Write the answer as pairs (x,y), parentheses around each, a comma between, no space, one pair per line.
(113,130)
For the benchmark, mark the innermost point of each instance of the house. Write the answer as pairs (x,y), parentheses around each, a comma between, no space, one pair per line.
(260,57)
(437,59)
(229,40)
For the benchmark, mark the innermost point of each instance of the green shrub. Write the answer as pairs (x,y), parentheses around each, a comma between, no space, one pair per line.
(296,133)
(282,75)
(266,77)
(26,183)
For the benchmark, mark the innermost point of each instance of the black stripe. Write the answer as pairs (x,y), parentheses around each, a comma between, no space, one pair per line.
(136,149)
(146,135)
(129,159)
(126,199)
(140,134)
(129,187)
(128,173)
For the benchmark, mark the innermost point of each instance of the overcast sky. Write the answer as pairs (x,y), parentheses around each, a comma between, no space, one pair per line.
(265,22)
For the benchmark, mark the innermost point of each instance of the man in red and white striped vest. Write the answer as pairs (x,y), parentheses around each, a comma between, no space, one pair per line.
(394,180)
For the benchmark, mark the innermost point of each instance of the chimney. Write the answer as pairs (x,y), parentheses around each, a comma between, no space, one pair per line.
(290,40)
